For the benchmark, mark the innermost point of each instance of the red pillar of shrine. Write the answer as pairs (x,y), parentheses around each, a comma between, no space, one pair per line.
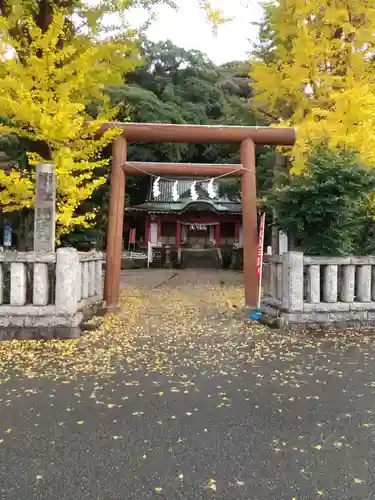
(178,234)
(159,229)
(237,232)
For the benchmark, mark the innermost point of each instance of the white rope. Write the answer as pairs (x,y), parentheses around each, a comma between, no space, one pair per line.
(169,179)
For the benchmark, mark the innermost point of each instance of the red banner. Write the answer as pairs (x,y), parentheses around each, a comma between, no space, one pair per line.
(260,245)
(132,236)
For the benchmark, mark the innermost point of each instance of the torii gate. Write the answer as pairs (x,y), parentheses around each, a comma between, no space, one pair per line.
(246,137)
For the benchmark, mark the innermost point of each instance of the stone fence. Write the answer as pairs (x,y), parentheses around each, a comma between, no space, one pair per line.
(48,289)
(315,292)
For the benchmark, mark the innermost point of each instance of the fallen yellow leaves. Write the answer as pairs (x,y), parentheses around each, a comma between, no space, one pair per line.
(156,335)
(115,344)
(212,484)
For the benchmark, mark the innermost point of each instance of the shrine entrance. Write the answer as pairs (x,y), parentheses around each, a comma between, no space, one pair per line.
(198,235)
(245,137)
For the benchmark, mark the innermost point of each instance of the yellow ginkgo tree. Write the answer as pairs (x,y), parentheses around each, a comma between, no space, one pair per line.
(46,84)
(317,72)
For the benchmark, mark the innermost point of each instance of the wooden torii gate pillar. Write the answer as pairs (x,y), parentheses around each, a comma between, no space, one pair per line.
(246,137)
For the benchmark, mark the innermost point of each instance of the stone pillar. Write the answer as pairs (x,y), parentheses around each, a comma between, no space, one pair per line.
(292,300)
(45,208)
(79,282)
(217,235)
(40,285)
(348,284)
(283,243)
(17,284)
(67,262)
(330,283)
(364,283)
(313,292)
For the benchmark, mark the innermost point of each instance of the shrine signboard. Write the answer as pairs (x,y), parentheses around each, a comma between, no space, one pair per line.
(198,227)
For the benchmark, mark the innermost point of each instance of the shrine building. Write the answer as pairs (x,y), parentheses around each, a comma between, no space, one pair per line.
(199,232)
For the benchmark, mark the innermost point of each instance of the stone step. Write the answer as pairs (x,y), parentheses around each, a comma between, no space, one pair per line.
(204,259)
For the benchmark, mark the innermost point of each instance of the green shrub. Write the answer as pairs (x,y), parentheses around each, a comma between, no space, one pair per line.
(323,207)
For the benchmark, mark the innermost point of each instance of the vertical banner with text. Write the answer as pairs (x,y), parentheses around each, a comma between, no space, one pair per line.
(259,263)
(132,236)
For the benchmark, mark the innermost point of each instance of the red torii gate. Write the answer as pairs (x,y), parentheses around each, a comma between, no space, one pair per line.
(247,137)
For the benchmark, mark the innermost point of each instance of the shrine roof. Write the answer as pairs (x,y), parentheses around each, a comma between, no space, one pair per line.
(164,202)
(178,207)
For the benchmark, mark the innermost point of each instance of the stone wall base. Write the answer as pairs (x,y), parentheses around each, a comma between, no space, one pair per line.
(49,326)
(339,320)
(40,333)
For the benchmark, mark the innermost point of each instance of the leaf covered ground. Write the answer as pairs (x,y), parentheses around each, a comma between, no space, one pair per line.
(180,396)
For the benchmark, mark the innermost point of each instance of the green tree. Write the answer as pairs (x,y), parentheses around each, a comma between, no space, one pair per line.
(178,86)
(324,206)
(174,85)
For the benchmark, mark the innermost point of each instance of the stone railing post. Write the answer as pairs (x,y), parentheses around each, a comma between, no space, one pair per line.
(41,285)
(292,282)
(364,283)
(99,278)
(67,264)
(85,279)
(18,282)
(91,266)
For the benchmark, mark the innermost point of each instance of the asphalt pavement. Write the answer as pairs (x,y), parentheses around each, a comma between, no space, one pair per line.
(182,397)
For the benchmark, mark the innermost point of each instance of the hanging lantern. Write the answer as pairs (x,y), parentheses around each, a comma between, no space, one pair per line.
(211,189)
(193,191)
(155,188)
(175,195)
